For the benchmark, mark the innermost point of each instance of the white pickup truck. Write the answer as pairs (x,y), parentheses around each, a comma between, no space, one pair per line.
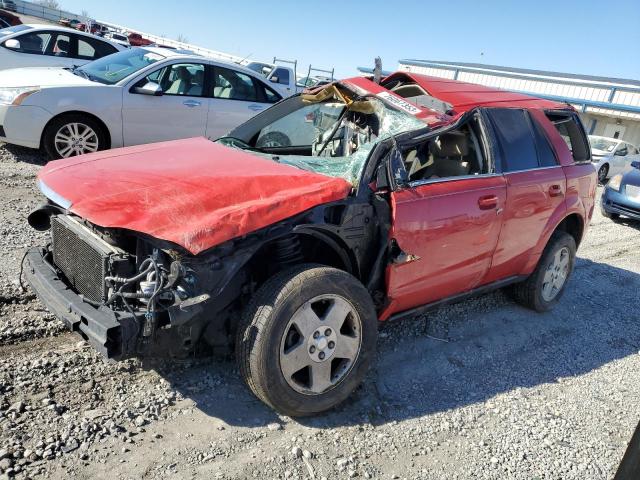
(282,78)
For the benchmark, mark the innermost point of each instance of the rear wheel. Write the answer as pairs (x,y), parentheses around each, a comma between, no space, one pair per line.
(307,339)
(545,286)
(73,134)
(603,173)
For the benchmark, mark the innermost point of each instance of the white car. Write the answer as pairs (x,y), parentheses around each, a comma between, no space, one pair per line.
(50,46)
(140,95)
(118,38)
(611,156)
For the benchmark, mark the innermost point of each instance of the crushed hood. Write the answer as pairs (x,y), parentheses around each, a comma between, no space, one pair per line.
(192,192)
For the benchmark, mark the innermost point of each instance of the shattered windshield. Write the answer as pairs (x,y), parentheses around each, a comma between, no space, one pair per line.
(330,133)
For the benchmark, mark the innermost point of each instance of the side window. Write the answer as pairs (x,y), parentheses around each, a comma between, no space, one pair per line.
(283,75)
(571,131)
(546,155)
(266,95)
(454,153)
(91,49)
(622,150)
(232,85)
(516,142)
(36,43)
(179,79)
(61,47)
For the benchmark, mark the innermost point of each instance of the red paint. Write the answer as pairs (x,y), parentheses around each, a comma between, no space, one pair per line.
(192,192)
(445,225)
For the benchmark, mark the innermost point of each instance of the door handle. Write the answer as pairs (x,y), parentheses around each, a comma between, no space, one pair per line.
(191,103)
(488,202)
(256,108)
(555,191)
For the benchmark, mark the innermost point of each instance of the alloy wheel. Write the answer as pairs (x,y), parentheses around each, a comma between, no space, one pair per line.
(320,344)
(602,174)
(75,139)
(556,274)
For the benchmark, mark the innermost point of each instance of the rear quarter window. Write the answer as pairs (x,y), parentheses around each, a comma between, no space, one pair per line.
(570,129)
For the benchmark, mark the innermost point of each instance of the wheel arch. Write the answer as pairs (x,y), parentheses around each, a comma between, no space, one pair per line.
(103,125)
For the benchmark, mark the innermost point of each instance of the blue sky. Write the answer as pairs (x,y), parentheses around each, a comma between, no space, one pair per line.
(588,37)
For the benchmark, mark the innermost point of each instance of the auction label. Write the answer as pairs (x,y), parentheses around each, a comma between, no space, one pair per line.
(400,103)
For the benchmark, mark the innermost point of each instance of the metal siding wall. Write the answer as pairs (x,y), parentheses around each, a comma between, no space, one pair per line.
(632,128)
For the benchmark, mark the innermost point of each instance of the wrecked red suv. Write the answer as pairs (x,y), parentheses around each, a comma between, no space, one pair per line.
(292,237)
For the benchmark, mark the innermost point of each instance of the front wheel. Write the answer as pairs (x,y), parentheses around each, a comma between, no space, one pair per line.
(545,286)
(603,173)
(307,339)
(74,134)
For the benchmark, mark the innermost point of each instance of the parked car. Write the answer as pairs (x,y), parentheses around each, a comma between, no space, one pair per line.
(139,95)
(118,38)
(282,78)
(296,253)
(10,18)
(137,40)
(621,195)
(8,5)
(49,46)
(611,156)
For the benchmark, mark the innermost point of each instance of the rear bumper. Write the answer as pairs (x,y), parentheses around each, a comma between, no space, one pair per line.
(113,334)
(617,203)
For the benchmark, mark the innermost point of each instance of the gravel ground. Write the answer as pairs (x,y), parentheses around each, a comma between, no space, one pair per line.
(481,389)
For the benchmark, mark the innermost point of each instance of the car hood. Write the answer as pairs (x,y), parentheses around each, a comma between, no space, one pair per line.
(41,76)
(193,192)
(632,177)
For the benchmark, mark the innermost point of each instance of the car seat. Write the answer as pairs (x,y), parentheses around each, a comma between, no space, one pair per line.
(62,48)
(451,154)
(182,83)
(198,82)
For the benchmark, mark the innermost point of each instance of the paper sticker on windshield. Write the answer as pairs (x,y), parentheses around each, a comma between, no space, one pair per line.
(400,103)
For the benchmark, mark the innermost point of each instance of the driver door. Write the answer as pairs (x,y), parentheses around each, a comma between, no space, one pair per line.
(180,112)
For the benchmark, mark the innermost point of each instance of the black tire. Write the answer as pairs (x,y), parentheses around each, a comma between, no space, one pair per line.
(55,125)
(603,173)
(529,292)
(264,324)
(274,139)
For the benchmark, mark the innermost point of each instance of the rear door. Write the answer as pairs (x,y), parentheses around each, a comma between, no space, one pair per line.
(536,187)
(180,112)
(236,97)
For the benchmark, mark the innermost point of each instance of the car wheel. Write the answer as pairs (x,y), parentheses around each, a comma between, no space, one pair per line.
(274,139)
(603,173)
(306,339)
(545,286)
(71,135)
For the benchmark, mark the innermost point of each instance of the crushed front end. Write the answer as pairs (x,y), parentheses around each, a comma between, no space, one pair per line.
(116,289)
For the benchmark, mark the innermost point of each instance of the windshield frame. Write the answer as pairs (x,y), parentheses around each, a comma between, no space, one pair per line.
(124,53)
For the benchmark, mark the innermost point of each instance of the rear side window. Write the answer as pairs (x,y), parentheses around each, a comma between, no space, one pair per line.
(233,85)
(571,131)
(92,49)
(546,155)
(516,141)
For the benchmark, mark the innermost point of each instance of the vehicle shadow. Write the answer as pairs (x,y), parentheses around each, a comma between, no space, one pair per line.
(456,356)
(26,155)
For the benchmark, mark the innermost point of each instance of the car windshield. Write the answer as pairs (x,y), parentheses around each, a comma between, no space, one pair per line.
(599,143)
(11,30)
(113,68)
(328,133)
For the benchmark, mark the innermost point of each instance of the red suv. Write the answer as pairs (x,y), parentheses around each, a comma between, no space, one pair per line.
(295,235)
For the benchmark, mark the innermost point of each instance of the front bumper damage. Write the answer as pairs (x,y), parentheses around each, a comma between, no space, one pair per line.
(113,334)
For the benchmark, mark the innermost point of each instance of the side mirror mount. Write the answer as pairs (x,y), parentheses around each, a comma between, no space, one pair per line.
(12,44)
(149,88)
(636,164)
